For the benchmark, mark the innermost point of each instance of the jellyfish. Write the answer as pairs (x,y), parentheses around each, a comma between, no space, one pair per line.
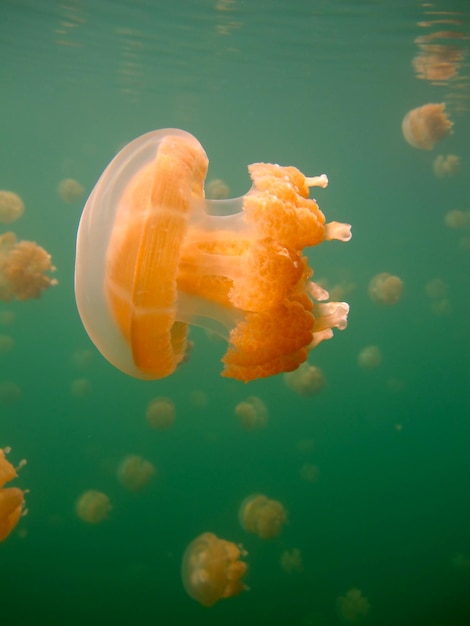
(161,413)
(80,387)
(93,506)
(426,125)
(134,472)
(384,288)
(11,498)
(309,473)
(446,166)
(23,267)
(10,392)
(212,569)
(307,380)
(291,560)
(261,516)
(369,357)
(218,189)
(457,219)
(11,207)
(252,413)
(70,190)
(353,606)
(7,344)
(153,256)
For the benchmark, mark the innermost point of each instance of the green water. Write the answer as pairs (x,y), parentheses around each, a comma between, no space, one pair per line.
(322,85)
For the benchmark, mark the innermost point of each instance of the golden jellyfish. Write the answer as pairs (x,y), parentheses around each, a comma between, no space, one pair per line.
(291,560)
(436,288)
(384,288)
(153,256)
(70,190)
(353,606)
(261,516)
(11,498)
(23,267)
(11,207)
(457,219)
(93,506)
(134,472)
(252,413)
(161,413)
(424,126)
(446,166)
(212,569)
(307,380)
(217,189)
(370,357)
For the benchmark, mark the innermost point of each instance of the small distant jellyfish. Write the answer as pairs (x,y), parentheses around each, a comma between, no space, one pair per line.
(309,473)
(7,344)
(93,506)
(70,190)
(307,380)
(134,472)
(426,125)
(252,413)
(217,189)
(446,166)
(370,357)
(353,606)
(291,561)
(261,516)
(82,359)
(80,387)
(212,569)
(384,288)
(436,288)
(11,207)
(457,219)
(10,392)
(11,498)
(23,267)
(161,413)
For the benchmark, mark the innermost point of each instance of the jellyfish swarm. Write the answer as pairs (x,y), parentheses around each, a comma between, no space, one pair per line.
(23,267)
(212,569)
(154,256)
(426,125)
(11,498)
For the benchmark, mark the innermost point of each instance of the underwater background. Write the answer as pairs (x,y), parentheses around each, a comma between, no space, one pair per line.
(374,469)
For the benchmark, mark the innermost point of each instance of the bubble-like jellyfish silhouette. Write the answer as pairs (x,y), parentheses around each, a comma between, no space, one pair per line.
(23,267)
(212,569)
(154,256)
(11,207)
(161,413)
(446,166)
(291,560)
(11,498)
(93,506)
(426,125)
(70,190)
(307,380)
(353,606)
(384,288)
(252,413)
(7,344)
(134,472)
(263,517)
(369,357)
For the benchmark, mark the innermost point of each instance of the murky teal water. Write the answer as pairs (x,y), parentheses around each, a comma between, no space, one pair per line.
(323,86)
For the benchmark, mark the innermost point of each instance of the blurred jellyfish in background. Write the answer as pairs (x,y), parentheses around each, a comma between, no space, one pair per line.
(81,359)
(93,506)
(11,498)
(134,472)
(161,413)
(385,288)
(457,219)
(10,392)
(252,413)
(437,290)
(369,357)
(353,606)
(261,516)
(307,380)
(426,125)
(11,207)
(217,189)
(446,166)
(23,269)
(291,561)
(212,569)
(80,388)
(309,473)
(70,190)
(7,344)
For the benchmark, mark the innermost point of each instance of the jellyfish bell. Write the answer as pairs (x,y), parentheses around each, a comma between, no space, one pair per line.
(153,256)
(11,498)
(212,569)
(426,125)
(263,517)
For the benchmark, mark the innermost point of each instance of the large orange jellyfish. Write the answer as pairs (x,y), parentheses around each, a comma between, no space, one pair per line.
(11,498)
(264,517)
(212,569)
(154,256)
(23,267)
(426,125)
